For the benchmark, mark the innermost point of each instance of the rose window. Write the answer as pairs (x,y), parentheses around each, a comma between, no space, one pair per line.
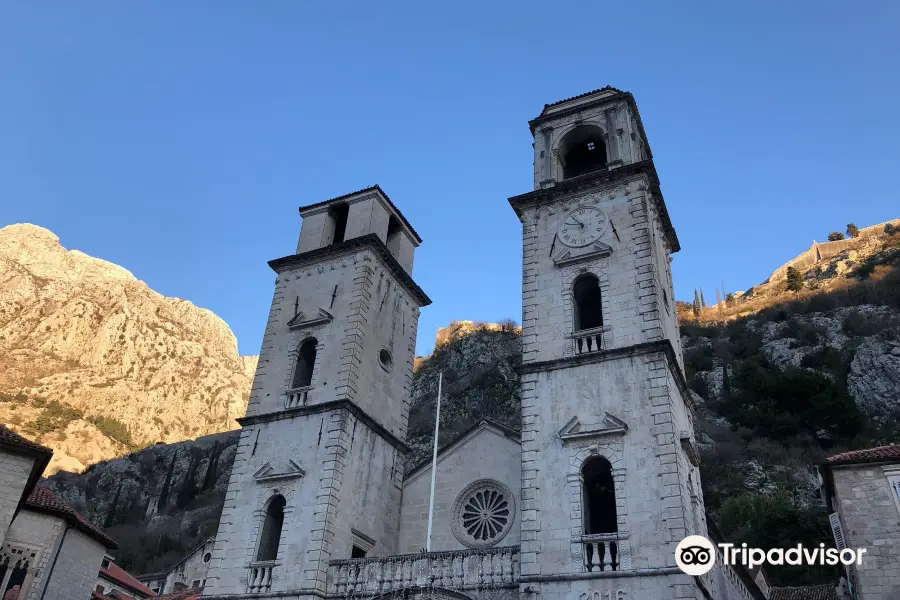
(483,513)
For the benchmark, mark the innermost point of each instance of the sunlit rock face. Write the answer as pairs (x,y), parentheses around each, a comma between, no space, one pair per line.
(94,363)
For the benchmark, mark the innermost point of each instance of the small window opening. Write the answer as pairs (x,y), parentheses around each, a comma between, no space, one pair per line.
(599,497)
(583,151)
(588,305)
(271,531)
(104,564)
(306,360)
(384,357)
(357,552)
(207,557)
(394,229)
(339,214)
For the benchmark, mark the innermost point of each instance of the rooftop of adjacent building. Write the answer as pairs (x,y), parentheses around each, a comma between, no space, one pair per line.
(889,453)
(43,500)
(816,592)
(119,576)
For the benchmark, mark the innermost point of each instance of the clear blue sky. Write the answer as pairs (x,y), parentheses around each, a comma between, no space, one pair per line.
(177,139)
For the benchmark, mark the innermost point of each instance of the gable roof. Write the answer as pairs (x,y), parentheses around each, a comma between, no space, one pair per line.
(121,577)
(192,552)
(14,443)
(43,500)
(484,423)
(815,592)
(890,453)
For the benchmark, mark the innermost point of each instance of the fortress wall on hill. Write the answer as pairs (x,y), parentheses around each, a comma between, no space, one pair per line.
(826,250)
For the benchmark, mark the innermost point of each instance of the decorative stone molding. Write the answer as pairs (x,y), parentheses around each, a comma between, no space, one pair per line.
(269,473)
(301,320)
(483,513)
(575,430)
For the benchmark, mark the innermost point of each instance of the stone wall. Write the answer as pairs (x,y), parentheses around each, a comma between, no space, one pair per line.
(14,472)
(487,453)
(40,532)
(870,515)
(826,250)
(371,311)
(75,572)
(191,570)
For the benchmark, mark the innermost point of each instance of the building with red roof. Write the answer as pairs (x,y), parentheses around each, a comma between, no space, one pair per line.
(862,492)
(113,579)
(49,550)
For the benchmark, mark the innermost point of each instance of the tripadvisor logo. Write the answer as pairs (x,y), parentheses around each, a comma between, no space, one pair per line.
(695,555)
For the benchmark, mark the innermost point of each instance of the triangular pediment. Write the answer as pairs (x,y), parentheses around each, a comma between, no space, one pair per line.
(268,472)
(301,319)
(576,430)
(569,255)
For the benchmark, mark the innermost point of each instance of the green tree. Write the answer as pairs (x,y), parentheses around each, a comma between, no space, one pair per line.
(729,299)
(696,304)
(794,280)
(164,494)
(702,299)
(209,480)
(852,230)
(111,511)
(188,490)
(835,236)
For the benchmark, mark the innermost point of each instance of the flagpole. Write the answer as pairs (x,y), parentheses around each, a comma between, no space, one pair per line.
(437,421)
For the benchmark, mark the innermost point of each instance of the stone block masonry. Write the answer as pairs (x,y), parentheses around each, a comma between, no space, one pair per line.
(14,472)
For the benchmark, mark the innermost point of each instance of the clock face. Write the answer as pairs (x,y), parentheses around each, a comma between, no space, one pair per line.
(582,226)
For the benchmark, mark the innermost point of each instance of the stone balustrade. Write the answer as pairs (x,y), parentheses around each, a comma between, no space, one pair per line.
(601,552)
(296,397)
(462,569)
(588,340)
(259,578)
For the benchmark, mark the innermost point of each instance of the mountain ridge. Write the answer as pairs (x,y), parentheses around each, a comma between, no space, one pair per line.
(94,363)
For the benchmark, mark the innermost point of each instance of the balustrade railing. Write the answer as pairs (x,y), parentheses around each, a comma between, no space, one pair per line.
(259,578)
(456,570)
(588,340)
(601,552)
(296,397)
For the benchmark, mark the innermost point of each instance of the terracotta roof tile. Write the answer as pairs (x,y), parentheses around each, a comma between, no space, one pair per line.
(43,499)
(119,575)
(8,437)
(891,452)
(815,592)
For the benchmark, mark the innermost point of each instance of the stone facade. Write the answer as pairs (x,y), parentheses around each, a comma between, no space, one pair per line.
(511,511)
(71,558)
(867,499)
(14,472)
(459,465)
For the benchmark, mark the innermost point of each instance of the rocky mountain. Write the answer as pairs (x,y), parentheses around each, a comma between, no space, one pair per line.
(784,374)
(94,363)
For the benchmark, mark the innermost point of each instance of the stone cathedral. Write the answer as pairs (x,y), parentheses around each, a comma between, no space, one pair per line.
(587,502)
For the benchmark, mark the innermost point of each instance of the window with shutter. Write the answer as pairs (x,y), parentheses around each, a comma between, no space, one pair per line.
(894,481)
(837,530)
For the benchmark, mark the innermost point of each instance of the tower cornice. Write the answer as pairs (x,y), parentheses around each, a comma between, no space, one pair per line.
(595,179)
(333,405)
(663,346)
(370,241)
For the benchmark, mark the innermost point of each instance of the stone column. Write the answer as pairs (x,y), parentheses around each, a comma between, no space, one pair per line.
(612,137)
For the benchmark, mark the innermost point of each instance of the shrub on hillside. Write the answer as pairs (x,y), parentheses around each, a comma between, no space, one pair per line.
(852,230)
(835,236)
(113,429)
(794,280)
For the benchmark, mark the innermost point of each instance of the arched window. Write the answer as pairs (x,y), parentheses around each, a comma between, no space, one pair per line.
(599,508)
(582,151)
(588,306)
(271,530)
(306,360)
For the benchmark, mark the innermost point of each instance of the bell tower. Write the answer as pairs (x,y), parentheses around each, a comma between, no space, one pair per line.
(610,483)
(318,470)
